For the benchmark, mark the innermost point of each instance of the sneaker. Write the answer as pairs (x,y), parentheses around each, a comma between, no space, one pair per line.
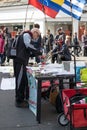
(23,104)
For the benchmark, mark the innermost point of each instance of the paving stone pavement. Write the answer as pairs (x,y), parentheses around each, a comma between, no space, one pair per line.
(12,118)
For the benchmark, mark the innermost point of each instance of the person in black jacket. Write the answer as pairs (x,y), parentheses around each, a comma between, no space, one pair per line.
(76,43)
(57,48)
(48,41)
(8,39)
(58,41)
(60,33)
(24,50)
(84,43)
(63,52)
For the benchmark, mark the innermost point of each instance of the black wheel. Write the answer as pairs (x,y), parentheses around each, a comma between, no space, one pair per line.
(62,120)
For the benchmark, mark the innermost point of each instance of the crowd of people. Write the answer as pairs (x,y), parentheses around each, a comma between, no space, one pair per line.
(5,38)
(32,44)
(47,43)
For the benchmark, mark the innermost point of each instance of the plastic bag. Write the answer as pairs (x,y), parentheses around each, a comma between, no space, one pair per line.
(83,73)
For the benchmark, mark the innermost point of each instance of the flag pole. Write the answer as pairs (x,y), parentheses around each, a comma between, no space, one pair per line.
(45,19)
(26,17)
(43,10)
(71,19)
(72,40)
(46,26)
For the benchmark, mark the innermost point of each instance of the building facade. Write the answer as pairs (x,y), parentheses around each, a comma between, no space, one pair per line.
(18,15)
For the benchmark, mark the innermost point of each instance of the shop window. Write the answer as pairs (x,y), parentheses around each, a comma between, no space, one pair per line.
(31,26)
(17,27)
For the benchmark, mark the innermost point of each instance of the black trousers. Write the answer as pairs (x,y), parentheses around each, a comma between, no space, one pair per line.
(22,89)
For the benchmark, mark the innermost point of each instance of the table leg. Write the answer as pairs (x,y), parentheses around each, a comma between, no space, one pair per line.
(38,117)
(61,84)
(71,83)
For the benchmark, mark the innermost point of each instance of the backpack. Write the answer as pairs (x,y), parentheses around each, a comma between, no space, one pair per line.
(11,49)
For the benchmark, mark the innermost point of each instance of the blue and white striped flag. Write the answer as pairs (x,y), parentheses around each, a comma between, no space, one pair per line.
(73,8)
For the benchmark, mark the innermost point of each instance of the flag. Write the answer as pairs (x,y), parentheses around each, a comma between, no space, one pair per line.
(50,12)
(73,8)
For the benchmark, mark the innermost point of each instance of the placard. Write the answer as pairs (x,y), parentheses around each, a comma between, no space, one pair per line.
(32,93)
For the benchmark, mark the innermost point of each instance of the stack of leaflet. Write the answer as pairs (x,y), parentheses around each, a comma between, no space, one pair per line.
(53,69)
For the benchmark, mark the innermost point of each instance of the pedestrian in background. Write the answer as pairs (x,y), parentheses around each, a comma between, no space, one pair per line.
(61,33)
(59,40)
(68,40)
(76,43)
(84,42)
(8,40)
(2,44)
(48,41)
(63,52)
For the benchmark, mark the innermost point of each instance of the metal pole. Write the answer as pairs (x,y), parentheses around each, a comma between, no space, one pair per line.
(71,17)
(43,10)
(26,17)
(72,39)
(46,25)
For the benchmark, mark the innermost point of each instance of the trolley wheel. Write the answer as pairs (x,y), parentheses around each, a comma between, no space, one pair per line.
(62,120)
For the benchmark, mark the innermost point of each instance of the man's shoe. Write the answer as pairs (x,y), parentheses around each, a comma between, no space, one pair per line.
(23,104)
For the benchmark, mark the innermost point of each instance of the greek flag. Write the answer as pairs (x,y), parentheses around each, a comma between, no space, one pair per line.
(74,8)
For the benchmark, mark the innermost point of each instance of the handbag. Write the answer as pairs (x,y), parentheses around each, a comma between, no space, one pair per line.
(53,95)
(12,50)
